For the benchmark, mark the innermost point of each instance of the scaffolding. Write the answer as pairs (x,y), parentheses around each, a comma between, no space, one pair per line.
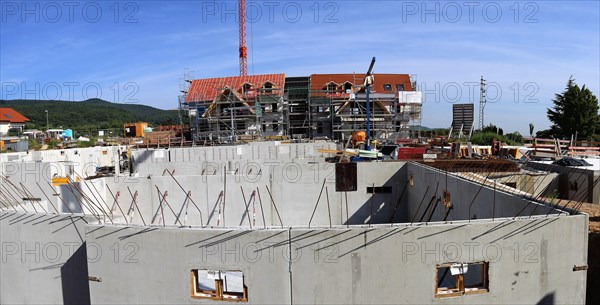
(408,114)
(297,92)
(294,110)
(337,117)
(238,116)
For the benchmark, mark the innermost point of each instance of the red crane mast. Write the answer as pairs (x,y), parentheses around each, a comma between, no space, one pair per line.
(243,49)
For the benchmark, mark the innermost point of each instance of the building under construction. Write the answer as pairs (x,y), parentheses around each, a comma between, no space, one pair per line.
(332,106)
(275,223)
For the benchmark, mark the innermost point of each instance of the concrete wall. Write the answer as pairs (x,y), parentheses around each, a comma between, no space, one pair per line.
(294,174)
(35,178)
(251,151)
(43,259)
(29,178)
(469,199)
(31,174)
(528,262)
(583,185)
(294,186)
(530,259)
(97,155)
(579,184)
(542,184)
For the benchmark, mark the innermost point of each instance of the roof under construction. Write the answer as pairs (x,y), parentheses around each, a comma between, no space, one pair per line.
(319,81)
(207,89)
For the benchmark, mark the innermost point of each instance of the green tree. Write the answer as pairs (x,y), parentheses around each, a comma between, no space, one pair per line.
(531,128)
(546,134)
(486,138)
(492,129)
(574,111)
(14,132)
(515,137)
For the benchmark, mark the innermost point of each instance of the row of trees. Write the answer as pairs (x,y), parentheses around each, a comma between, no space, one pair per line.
(574,114)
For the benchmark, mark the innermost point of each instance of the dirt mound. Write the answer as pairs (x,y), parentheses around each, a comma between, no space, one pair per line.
(594,211)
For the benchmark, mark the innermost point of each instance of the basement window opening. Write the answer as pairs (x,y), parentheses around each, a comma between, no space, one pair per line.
(457,279)
(219,285)
(379,189)
(573,186)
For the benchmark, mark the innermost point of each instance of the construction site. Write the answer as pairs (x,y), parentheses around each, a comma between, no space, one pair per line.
(231,223)
(319,189)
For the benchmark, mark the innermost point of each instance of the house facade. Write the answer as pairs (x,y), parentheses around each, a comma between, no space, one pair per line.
(226,108)
(328,106)
(11,119)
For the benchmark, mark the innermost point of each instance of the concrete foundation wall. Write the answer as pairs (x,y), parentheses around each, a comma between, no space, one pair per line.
(536,185)
(44,259)
(34,179)
(103,156)
(579,184)
(582,185)
(288,188)
(469,200)
(33,174)
(531,259)
(252,151)
(360,265)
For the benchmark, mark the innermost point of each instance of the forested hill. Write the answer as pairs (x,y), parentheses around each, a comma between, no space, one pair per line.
(92,113)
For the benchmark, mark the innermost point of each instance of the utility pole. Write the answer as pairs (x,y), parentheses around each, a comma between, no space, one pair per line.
(47,122)
(482,101)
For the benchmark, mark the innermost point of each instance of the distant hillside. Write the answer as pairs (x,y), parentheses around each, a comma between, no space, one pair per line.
(89,114)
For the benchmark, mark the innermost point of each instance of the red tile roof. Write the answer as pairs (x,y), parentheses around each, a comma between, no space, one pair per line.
(208,89)
(11,116)
(319,81)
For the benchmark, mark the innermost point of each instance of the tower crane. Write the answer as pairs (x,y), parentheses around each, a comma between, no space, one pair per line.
(243,49)
(369,79)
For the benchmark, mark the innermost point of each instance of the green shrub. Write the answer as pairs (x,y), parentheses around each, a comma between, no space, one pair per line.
(34,144)
(486,138)
(515,136)
(84,144)
(53,143)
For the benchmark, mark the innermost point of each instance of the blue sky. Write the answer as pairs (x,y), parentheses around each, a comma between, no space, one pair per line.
(137,51)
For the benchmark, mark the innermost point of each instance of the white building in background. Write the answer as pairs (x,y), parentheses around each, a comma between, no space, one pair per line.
(10,119)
